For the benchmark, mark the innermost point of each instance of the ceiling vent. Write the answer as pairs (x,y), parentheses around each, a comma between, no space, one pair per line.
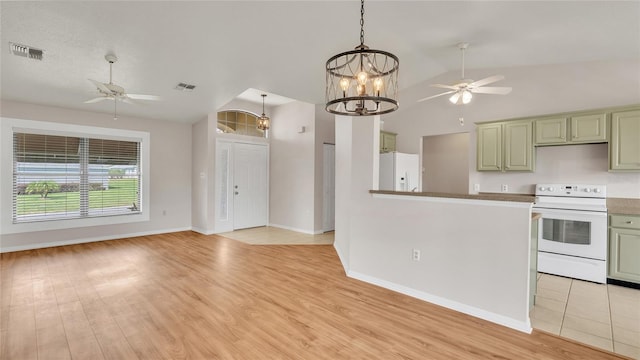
(26,51)
(185,87)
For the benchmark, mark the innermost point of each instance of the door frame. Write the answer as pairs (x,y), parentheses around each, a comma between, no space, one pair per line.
(226,224)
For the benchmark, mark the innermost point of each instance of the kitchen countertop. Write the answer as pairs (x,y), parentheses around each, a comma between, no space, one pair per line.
(623,206)
(482,196)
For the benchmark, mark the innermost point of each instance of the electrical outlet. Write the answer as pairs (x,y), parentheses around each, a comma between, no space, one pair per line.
(505,187)
(476,187)
(415,255)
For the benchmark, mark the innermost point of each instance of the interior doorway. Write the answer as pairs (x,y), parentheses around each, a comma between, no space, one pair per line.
(445,163)
(329,187)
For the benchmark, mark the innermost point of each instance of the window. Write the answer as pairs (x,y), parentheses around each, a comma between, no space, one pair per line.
(60,177)
(76,175)
(239,122)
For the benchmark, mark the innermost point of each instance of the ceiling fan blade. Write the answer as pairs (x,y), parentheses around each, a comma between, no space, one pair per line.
(486,81)
(492,90)
(435,96)
(142,97)
(452,87)
(128,100)
(95,100)
(101,86)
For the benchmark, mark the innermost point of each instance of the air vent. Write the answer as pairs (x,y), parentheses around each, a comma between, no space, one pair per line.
(26,51)
(185,87)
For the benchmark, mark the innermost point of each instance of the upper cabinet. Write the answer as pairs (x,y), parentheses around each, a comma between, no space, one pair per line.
(387,141)
(551,131)
(505,146)
(624,147)
(508,145)
(582,129)
(590,128)
(489,147)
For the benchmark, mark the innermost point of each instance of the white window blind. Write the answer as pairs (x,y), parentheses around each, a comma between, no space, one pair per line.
(66,177)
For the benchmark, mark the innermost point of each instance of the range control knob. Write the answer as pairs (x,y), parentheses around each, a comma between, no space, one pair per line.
(596,190)
(541,188)
(550,188)
(587,190)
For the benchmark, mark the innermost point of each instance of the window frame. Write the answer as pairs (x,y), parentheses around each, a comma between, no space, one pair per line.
(9,126)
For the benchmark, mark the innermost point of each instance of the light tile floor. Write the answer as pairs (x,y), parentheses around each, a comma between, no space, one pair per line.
(604,316)
(267,235)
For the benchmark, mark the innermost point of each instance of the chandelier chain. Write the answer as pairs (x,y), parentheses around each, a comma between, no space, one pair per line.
(361,22)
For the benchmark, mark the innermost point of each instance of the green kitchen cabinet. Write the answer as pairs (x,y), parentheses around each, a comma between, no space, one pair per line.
(387,141)
(584,128)
(624,248)
(518,146)
(551,131)
(624,147)
(505,146)
(590,128)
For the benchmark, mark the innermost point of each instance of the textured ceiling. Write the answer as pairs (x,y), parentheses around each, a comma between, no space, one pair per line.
(225,48)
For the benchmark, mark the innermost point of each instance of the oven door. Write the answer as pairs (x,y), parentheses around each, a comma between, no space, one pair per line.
(573,232)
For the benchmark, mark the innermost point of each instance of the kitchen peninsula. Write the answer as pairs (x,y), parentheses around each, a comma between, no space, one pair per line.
(469,253)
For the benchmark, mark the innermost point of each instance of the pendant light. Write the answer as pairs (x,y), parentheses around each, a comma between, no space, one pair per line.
(362,82)
(263,121)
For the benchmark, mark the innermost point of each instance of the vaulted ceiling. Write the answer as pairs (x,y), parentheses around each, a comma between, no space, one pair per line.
(280,47)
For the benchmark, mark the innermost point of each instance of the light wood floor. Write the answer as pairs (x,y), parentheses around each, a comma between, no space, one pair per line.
(186,295)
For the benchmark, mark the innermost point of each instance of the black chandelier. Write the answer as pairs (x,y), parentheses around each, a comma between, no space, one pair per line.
(362,82)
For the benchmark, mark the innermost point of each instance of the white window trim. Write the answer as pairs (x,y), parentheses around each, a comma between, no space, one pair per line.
(9,125)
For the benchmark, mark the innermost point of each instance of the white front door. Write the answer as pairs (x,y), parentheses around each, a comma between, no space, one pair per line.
(250,188)
(329,188)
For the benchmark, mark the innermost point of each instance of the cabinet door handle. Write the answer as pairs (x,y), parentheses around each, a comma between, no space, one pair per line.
(629,222)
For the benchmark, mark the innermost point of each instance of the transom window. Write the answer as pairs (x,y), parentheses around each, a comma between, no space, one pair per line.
(239,122)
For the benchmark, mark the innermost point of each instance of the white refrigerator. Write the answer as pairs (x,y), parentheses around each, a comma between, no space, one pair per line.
(399,171)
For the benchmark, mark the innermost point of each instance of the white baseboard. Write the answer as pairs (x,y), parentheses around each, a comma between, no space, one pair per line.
(524,326)
(304,231)
(86,240)
(202,231)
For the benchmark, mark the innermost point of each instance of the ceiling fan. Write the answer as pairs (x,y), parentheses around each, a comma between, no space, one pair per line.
(111,91)
(463,91)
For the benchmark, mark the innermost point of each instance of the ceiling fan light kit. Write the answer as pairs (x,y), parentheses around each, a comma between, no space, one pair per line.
(463,91)
(363,81)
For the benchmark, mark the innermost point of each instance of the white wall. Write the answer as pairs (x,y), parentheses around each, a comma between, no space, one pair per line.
(170,176)
(325,132)
(474,253)
(292,167)
(537,90)
(200,167)
(445,160)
